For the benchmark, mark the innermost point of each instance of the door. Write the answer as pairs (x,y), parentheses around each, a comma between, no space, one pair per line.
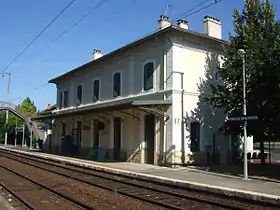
(150,138)
(79,134)
(96,134)
(117,138)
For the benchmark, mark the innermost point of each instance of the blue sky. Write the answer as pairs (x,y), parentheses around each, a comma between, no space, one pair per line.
(114,24)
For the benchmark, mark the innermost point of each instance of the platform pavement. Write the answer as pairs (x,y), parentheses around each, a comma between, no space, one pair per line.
(5,205)
(222,184)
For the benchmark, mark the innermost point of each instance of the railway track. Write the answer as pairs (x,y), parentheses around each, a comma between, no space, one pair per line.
(21,187)
(163,196)
(18,201)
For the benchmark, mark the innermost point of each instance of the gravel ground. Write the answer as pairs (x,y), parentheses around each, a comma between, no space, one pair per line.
(8,201)
(152,195)
(191,205)
(95,197)
(34,194)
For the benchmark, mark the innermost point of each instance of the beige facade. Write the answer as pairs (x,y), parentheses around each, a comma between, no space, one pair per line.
(147,122)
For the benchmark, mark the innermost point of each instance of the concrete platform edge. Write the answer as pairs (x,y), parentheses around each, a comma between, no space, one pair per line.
(5,205)
(244,194)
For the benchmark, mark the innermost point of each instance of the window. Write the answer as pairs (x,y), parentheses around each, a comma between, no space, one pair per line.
(63,129)
(148,76)
(96,90)
(216,75)
(117,84)
(195,136)
(60,100)
(79,94)
(65,98)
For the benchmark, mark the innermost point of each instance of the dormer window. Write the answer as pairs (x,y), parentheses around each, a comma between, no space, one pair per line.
(148,76)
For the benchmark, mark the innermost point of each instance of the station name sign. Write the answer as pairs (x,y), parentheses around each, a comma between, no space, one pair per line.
(243,118)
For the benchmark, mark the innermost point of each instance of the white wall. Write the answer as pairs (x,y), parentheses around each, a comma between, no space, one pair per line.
(129,63)
(193,59)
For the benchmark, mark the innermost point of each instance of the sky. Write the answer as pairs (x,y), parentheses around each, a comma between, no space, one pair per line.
(114,24)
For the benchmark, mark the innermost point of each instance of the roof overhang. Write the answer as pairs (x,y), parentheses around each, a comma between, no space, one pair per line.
(104,107)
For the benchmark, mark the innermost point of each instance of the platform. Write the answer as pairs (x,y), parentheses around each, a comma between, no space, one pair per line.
(4,204)
(181,176)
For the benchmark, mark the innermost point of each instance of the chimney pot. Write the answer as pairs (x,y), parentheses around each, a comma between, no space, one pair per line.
(212,27)
(183,24)
(96,54)
(163,22)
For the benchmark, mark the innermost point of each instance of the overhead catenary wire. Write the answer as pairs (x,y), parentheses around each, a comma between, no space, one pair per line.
(209,5)
(72,26)
(190,12)
(192,9)
(76,23)
(38,35)
(185,15)
(109,18)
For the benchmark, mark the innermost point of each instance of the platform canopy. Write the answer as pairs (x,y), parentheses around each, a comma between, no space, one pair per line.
(5,105)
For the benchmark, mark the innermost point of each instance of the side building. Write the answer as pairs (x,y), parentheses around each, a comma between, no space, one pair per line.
(143,102)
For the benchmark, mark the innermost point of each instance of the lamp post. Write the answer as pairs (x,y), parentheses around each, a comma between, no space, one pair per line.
(242,53)
(7,111)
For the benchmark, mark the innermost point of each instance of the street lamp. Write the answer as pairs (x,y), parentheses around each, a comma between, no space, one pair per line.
(242,53)
(7,111)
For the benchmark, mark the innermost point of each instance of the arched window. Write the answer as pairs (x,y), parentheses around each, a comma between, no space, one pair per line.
(149,76)
(117,84)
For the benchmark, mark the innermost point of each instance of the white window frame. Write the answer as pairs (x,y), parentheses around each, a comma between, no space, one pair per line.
(66,89)
(76,94)
(121,84)
(94,79)
(60,99)
(154,75)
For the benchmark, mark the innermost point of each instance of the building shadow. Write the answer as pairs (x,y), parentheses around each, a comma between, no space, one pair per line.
(219,146)
(214,143)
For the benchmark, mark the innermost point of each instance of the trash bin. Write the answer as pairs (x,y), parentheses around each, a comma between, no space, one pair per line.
(39,144)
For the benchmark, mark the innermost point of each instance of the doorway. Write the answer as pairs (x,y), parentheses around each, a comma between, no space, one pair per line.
(150,138)
(117,137)
(96,137)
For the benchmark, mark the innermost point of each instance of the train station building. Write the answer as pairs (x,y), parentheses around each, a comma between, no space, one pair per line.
(143,102)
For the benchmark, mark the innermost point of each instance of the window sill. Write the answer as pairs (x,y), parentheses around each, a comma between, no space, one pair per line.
(148,91)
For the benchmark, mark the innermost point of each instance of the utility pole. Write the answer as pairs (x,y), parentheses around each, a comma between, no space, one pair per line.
(23,138)
(7,111)
(241,52)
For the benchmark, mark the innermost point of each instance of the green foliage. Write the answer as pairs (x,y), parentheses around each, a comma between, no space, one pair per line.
(258,33)
(25,107)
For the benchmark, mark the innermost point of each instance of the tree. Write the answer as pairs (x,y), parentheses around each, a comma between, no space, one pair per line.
(26,107)
(258,33)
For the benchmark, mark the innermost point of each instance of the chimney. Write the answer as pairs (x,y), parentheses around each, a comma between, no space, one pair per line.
(96,54)
(212,27)
(183,24)
(163,22)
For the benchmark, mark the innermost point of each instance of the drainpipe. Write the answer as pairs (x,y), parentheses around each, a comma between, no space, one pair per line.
(182,119)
